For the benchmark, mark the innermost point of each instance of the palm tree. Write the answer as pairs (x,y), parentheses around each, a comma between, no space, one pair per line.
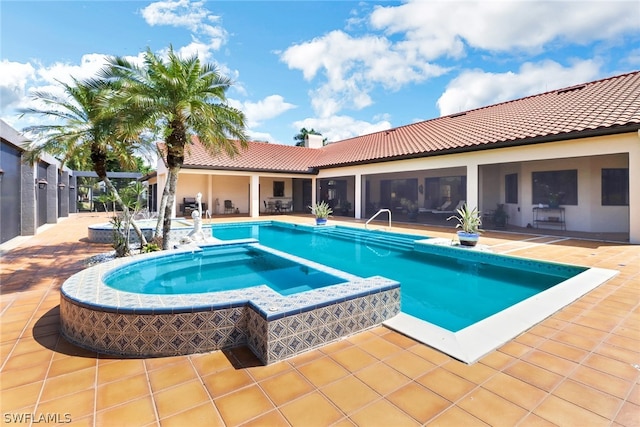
(177,98)
(302,136)
(87,131)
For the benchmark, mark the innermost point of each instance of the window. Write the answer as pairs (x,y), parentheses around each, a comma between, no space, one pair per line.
(615,187)
(444,189)
(555,187)
(278,188)
(393,191)
(511,188)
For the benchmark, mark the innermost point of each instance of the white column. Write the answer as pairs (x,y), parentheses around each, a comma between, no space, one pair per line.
(634,193)
(211,203)
(472,185)
(313,191)
(358,195)
(254,205)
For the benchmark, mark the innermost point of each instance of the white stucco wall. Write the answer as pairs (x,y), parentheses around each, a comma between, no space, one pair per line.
(234,186)
(579,154)
(588,214)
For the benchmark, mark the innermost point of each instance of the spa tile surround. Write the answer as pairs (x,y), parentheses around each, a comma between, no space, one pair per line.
(275,327)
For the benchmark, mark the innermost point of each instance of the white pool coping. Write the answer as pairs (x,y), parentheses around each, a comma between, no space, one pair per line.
(475,341)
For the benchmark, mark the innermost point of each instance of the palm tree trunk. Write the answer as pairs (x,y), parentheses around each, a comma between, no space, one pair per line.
(172,182)
(161,208)
(163,200)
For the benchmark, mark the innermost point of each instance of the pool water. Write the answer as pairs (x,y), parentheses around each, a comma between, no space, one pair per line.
(218,269)
(452,293)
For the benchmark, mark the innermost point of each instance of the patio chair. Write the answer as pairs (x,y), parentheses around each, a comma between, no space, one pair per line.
(442,208)
(452,210)
(269,207)
(228,207)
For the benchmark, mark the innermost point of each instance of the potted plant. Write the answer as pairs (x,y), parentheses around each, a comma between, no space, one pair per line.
(469,221)
(322,211)
(499,216)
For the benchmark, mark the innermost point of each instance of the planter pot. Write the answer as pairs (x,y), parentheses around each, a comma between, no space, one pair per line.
(321,221)
(468,239)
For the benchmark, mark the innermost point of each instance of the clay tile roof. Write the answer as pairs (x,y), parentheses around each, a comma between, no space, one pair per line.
(258,156)
(604,105)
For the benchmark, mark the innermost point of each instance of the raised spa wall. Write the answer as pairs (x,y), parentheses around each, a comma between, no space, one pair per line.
(275,327)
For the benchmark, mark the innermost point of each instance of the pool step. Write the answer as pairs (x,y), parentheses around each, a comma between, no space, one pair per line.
(373,238)
(231,254)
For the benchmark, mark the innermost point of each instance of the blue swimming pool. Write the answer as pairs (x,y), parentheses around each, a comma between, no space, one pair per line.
(216,269)
(283,289)
(451,292)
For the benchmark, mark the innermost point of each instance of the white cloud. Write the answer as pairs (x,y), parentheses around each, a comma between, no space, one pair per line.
(353,67)
(438,28)
(264,109)
(337,128)
(89,66)
(14,77)
(19,81)
(195,48)
(261,137)
(193,16)
(181,13)
(408,39)
(476,88)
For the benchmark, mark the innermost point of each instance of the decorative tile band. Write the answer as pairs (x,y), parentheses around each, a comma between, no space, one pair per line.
(150,335)
(153,335)
(96,316)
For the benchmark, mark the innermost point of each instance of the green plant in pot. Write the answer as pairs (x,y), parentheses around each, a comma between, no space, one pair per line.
(554,200)
(322,211)
(469,221)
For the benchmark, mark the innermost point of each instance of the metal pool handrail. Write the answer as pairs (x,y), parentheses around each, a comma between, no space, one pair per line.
(376,214)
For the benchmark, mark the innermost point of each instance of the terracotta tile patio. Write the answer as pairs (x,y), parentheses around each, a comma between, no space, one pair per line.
(579,367)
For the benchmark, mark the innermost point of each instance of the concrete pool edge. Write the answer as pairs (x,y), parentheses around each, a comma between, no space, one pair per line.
(473,342)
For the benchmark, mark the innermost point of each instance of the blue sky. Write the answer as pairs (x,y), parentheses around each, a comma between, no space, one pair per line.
(344,68)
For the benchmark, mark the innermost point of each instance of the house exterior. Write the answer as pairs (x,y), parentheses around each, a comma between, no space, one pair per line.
(30,195)
(567,158)
(34,195)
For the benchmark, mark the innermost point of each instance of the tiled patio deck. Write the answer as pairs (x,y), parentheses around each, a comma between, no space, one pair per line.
(579,367)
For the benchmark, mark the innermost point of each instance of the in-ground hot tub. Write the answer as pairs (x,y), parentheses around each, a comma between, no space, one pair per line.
(100,317)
